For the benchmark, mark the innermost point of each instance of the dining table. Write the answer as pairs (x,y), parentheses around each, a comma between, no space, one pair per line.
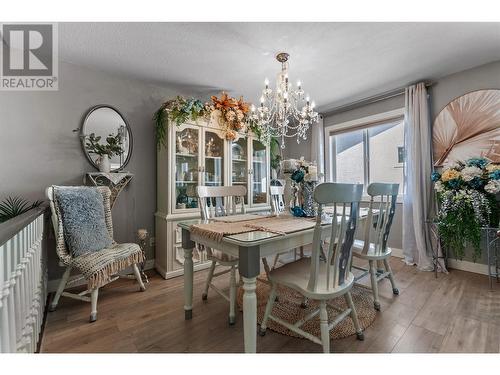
(250,248)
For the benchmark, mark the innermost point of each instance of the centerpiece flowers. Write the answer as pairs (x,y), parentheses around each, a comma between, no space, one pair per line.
(466,195)
(305,177)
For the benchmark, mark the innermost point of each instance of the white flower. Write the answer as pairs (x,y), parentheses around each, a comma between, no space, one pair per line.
(468,173)
(439,187)
(450,164)
(492,187)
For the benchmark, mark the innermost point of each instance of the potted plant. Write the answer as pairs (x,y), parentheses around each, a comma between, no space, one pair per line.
(11,207)
(106,151)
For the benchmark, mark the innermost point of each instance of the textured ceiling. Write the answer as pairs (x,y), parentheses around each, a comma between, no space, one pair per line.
(336,62)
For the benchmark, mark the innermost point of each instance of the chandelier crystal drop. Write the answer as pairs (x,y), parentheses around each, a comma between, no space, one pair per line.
(285,112)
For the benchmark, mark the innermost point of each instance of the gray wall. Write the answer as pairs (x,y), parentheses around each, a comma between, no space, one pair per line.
(442,92)
(38,146)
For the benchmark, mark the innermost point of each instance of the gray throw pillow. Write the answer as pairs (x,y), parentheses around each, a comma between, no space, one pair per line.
(84,223)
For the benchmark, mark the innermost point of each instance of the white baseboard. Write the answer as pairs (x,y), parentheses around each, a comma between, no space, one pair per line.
(53,284)
(464,265)
(398,253)
(461,265)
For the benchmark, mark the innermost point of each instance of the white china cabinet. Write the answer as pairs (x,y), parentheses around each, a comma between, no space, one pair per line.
(198,154)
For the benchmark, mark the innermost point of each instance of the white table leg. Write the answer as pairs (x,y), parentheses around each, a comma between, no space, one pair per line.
(188,247)
(250,314)
(188,283)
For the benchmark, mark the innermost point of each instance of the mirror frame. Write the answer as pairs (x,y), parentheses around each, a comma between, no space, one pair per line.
(82,136)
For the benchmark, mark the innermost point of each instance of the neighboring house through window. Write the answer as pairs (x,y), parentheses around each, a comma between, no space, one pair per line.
(370,149)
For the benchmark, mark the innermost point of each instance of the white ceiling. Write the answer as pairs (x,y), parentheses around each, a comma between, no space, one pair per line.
(336,62)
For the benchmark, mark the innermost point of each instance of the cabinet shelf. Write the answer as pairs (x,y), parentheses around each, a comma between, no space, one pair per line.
(240,160)
(186,182)
(186,155)
(214,157)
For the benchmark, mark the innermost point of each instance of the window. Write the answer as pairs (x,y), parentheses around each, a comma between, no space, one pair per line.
(371,153)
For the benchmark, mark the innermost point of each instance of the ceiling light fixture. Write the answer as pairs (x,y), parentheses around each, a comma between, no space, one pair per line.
(286,112)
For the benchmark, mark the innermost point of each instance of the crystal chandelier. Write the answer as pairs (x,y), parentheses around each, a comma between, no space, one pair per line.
(286,112)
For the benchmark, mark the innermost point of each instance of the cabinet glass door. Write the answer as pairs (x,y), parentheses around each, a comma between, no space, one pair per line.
(259,172)
(214,159)
(239,160)
(186,167)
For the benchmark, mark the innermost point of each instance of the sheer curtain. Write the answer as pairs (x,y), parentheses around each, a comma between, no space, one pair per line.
(418,196)
(318,145)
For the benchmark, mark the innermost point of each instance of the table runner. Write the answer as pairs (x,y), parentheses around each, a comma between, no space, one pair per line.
(276,224)
(238,218)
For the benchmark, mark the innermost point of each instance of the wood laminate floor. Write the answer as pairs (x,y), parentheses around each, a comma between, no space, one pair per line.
(453,313)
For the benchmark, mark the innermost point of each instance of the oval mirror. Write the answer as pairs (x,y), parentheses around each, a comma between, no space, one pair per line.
(105,130)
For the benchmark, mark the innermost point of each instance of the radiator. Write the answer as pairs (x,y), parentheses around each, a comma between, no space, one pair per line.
(23,286)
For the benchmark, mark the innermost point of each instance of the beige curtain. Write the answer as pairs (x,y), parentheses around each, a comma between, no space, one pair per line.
(418,197)
(318,145)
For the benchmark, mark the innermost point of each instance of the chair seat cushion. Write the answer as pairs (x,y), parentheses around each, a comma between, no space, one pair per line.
(99,267)
(371,254)
(295,275)
(83,218)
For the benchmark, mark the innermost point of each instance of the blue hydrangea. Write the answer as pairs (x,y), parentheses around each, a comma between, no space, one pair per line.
(476,183)
(298,211)
(435,176)
(454,184)
(495,175)
(477,162)
(298,175)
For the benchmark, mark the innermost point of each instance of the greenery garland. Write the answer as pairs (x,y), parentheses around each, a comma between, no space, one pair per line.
(178,110)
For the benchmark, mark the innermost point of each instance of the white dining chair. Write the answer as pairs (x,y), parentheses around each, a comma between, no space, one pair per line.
(373,247)
(217,201)
(277,194)
(321,279)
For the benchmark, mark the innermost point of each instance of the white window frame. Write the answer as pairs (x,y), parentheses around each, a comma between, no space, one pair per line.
(353,125)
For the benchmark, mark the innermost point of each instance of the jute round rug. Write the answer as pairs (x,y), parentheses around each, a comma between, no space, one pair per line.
(288,308)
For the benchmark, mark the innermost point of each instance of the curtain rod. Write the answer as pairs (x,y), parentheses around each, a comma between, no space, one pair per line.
(369,100)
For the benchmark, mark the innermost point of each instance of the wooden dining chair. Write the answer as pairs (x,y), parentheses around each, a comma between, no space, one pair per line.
(277,194)
(216,201)
(321,279)
(373,247)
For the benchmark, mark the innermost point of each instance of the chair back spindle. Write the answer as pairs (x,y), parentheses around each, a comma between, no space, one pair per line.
(345,199)
(380,215)
(216,201)
(277,199)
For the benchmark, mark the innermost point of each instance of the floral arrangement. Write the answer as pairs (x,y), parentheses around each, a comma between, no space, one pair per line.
(304,176)
(234,114)
(466,195)
(178,110)
(304,171)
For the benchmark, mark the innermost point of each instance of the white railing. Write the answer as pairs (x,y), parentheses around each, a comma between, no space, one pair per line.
(23,282)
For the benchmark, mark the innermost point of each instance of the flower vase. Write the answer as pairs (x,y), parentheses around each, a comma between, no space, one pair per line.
(308,205)
(104,163)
